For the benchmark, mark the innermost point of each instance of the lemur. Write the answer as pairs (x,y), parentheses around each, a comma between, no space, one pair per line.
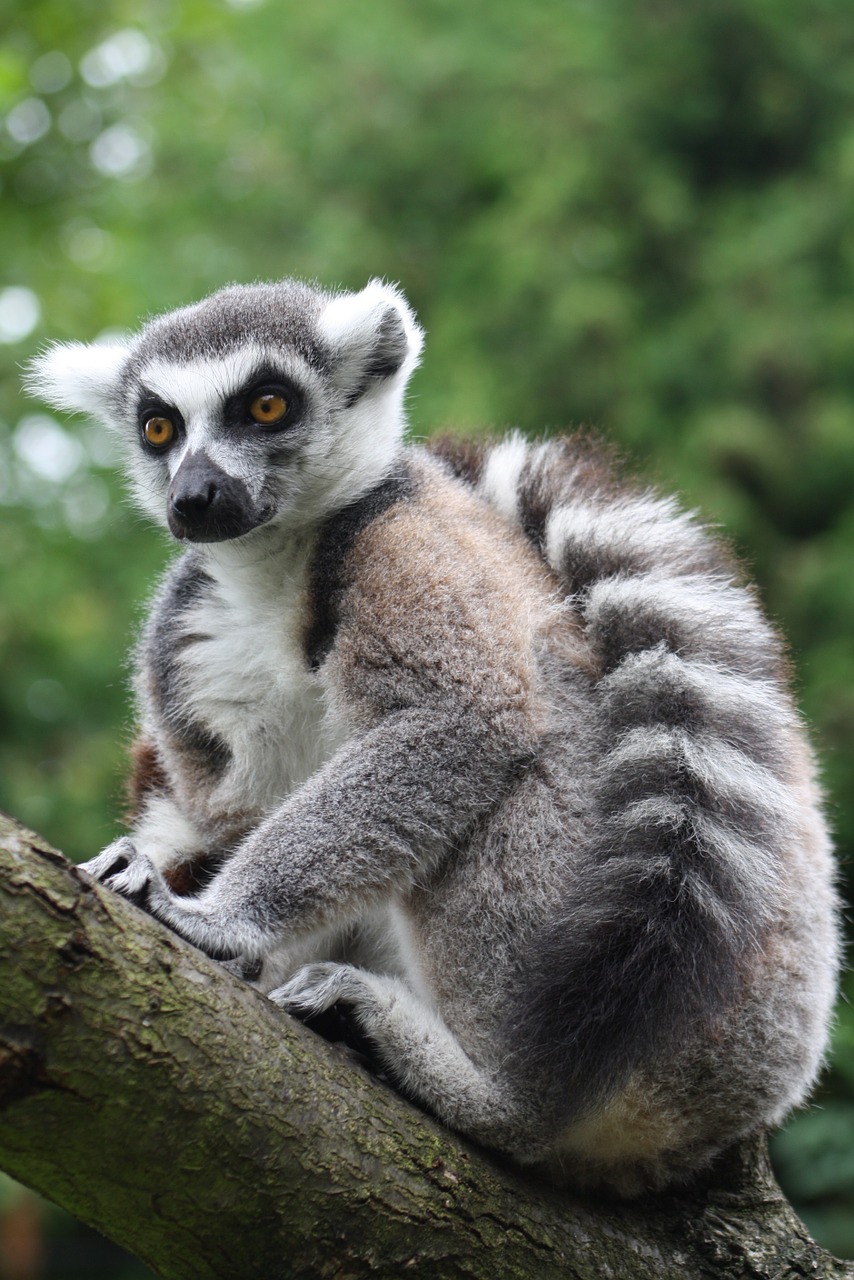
(481,744)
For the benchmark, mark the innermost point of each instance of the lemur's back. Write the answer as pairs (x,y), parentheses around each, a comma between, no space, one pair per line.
(476,742)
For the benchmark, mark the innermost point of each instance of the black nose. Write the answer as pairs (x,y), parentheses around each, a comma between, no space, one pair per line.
(193,500)
(196,491)
(207,505)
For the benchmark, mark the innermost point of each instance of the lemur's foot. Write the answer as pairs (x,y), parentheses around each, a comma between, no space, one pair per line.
(336,1001)
(317,987)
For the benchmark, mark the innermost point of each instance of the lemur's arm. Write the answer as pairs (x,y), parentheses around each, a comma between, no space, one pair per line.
(385,808)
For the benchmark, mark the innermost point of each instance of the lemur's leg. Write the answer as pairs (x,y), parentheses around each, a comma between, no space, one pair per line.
(424,1058)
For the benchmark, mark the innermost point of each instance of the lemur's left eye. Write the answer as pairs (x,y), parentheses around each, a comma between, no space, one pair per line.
(158,431)
(269,408)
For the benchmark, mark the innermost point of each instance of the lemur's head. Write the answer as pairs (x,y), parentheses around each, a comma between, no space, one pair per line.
(263,405)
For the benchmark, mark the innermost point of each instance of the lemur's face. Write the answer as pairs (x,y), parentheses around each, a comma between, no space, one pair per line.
(262,406)
(223,441)
(227,439)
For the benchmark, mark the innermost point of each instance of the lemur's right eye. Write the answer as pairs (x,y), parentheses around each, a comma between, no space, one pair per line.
(158,431)
(269,408)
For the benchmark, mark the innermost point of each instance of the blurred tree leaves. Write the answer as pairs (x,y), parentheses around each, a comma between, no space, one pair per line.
(635,214)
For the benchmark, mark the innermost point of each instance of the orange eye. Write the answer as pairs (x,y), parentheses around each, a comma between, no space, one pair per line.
(269,408)
(158,431)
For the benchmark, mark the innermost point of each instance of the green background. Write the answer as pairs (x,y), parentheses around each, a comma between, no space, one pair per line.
(632,214)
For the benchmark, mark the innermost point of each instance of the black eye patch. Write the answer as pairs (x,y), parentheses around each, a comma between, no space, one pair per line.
(154,415)
(267,403)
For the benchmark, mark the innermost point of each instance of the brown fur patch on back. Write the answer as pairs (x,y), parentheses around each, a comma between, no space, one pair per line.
(447,605)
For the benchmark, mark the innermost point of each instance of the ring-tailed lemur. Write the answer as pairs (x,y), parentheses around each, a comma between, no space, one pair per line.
(478,742)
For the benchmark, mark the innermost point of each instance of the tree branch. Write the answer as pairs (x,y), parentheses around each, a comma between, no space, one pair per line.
(183,1115)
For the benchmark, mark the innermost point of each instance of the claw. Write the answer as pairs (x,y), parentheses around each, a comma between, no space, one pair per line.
(122,868)
(113,860)
(132,883)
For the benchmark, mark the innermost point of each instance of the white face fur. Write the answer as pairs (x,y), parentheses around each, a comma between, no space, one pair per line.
(262,407)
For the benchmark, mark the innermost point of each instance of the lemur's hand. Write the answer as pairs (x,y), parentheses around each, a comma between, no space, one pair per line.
(122,868)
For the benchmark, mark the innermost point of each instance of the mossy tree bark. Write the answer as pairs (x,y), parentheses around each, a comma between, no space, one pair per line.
(183,1115)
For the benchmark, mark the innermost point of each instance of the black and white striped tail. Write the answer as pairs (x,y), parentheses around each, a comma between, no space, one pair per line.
(667,906)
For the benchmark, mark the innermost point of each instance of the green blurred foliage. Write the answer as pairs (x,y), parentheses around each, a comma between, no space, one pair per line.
(637,214)
(39,1241)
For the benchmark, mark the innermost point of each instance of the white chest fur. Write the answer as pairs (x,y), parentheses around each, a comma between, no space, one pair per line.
(247,681)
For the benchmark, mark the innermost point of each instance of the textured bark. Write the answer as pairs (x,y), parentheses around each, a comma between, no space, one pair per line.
(187,1118)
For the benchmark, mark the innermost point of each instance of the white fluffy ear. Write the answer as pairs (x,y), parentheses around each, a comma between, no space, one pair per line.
(79,377)
(373,335)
